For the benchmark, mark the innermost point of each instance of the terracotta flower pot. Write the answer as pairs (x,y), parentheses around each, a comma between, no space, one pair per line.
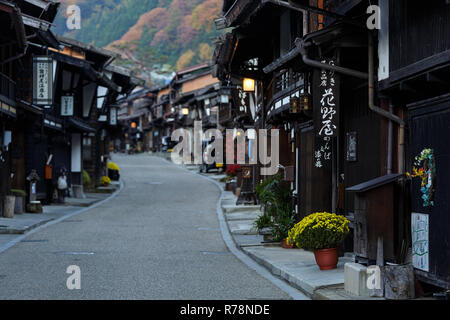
(327,259)
(285,245)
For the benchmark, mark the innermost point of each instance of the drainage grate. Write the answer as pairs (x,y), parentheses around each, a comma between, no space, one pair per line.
(74,253)
(72,221)
(34,241)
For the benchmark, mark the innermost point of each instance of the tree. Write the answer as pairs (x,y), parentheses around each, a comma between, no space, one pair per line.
(185,60)
(141,60)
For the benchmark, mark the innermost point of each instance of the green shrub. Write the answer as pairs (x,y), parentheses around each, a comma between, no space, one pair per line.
(18,193)
(86,179)
(263,221)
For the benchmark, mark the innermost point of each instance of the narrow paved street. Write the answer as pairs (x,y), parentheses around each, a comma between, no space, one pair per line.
(158,239)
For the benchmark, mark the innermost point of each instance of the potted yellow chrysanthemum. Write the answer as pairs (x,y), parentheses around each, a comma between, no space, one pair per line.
(113,171)
(322,233)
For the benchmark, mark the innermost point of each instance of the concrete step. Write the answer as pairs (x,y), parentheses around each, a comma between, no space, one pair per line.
(254,215)
(235,208)
(242,227)
(299,268)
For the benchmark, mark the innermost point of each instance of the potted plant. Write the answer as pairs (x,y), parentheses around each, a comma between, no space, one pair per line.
(232,172)
(283,222)
(20,195)
(105,181)
(322,233)
(8,206)
(274,195)
(113,171)
(87,181)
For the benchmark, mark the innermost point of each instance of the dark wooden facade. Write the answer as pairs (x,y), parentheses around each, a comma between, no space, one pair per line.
(418,84)
(374,139)
(38,132)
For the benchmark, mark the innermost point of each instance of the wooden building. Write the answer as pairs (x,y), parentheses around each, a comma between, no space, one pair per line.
(135,117)
(313,62)
(49,88)
(414,78)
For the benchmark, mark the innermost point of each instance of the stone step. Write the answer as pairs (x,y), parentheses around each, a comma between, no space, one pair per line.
(243,216)
(235,208)
(242,227)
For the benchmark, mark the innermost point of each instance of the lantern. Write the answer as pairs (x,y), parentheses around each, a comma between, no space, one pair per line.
(248,85)
(305,102)
(295,105)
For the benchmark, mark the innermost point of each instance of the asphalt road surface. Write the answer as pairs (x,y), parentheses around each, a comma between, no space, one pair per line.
(158,239)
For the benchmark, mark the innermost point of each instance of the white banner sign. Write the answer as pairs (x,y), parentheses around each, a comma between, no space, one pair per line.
(420,241)
(113,116)
(43,81)
(67,106)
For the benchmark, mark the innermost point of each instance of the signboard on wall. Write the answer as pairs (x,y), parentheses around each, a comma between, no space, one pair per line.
(113,116)
(420,241)
(326,102)
(42,81)
(352,147)
(67,106)
(322,152)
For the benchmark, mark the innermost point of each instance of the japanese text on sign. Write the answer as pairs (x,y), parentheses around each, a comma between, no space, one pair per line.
(328,103)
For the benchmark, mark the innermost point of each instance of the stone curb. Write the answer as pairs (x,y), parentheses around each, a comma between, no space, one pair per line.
(24,230)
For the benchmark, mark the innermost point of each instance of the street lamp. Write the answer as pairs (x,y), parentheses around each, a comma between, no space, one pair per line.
(185,111)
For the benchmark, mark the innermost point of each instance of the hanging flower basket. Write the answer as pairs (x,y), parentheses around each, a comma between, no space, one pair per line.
(425,169)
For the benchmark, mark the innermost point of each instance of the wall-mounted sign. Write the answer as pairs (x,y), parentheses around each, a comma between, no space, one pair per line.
(322,152)
(113,116)
(326,102)
(67,103)
(42,81)
(420,241)
(352,144)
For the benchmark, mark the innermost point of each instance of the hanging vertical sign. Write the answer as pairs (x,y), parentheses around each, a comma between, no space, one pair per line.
(326,102)
(67,106)
(113,116)
(42,81)
(326,114)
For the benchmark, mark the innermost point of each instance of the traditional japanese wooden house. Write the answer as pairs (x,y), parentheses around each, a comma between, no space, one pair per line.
(128,82)
(414,57)
(313,62)
(158,110)
(87,85)
(35,18)
(13,46)
(136,119)
(194,94)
